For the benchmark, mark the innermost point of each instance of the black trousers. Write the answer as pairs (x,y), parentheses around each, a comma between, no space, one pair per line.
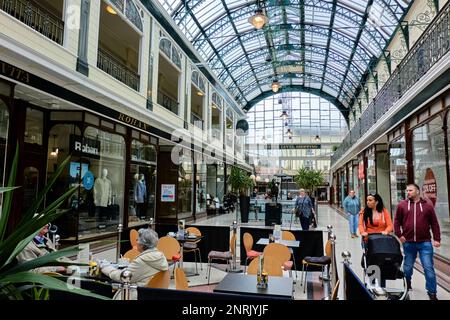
(305,222)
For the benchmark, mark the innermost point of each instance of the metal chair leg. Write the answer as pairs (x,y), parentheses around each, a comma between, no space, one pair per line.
(195,258)
(209,270)
(200,258)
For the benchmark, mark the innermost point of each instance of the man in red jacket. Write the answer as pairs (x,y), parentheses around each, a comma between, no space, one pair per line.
(413,220)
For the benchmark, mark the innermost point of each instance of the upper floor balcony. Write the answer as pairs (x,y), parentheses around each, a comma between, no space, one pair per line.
(45,17)
(115,68)
(432,45)
(168,102)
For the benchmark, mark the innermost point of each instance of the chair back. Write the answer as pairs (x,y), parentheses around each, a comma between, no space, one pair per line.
(159,280)
(278,251)
(194,230)
(181,282)
(271,265)
(328,248)
(248,241)
(232,244)
(131,254)
(335,291)
(133,238)
(287,235)
(169,246)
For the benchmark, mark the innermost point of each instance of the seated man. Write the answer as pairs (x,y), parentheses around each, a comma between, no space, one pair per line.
(38,247)
(149,262)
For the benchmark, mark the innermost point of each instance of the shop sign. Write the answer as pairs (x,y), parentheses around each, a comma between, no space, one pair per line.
(132,121)
(14,73)
(85,146)
(167,193)
(429,187)
(361,170)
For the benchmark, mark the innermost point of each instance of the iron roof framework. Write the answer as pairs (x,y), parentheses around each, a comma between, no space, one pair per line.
(327,47)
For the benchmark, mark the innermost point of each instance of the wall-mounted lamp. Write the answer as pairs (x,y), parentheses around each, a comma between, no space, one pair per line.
(111,10)
(55,149)
(200,93)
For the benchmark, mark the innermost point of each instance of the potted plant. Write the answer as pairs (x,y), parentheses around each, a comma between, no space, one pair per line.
(241,183)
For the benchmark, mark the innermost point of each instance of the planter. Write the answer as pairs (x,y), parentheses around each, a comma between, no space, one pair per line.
(244,205)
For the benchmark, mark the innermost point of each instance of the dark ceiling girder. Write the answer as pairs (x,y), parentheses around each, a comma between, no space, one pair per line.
(302,31)
(330,32)
(224,65)
(358,36)
(240,41)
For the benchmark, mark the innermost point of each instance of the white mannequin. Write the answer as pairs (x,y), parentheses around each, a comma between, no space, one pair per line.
(102,190)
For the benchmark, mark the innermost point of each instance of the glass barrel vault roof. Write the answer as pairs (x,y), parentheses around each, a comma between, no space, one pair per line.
(321,46)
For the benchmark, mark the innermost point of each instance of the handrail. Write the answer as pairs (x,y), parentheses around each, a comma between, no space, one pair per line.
(115,68)
(167,102)
(36,17)
(431,46)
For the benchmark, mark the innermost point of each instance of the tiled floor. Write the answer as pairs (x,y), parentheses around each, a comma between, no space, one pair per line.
(326,216)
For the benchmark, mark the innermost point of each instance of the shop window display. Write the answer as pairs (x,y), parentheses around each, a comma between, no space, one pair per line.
(142,191)
(398,168)
(430,173)
(371,174)
(200,181)
(185,190)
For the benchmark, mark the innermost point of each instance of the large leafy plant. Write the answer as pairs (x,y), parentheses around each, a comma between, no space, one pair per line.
(309,179)
(239,181)
(16,279)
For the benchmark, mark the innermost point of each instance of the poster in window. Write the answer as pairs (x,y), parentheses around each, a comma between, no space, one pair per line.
(167,193)
(429,187)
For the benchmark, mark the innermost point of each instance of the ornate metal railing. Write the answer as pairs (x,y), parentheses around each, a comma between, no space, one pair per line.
(432,45)
(167,102)
(36,17)
(112,66)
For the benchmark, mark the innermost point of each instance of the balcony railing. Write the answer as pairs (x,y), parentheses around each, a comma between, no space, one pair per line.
(34,16)
(433,44)
(115,68)
(196,121)
(167,102)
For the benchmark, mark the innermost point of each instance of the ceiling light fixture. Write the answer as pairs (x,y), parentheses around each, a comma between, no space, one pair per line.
(200,94)
(258,20)
(111,10)
(284,115)
(317,139)
(289,133)
(275,85)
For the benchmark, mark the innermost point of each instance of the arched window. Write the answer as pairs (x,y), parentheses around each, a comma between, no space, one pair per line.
(170,51)
(130,10)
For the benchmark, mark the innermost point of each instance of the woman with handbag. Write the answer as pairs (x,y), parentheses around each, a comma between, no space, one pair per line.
(304,209)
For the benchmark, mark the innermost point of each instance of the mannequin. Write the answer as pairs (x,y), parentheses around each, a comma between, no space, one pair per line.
(102,194)
(140,195)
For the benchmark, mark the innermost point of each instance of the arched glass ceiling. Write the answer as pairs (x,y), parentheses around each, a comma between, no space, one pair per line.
(320,46)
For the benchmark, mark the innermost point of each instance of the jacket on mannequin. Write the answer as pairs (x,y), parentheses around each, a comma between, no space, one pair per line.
(102,190)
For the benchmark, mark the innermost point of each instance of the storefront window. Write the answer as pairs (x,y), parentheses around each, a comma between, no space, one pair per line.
(34,126)
(30,186)
(350,177)
(343,192)
(430,173)
(200,181)
(185,190)
(60,136)
(398,175)
(142,191)
(102,174)
(4,123)
(371,173)
(220,182)
(361,182)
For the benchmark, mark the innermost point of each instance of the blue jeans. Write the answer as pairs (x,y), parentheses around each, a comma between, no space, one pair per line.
(425,250)
(353,222)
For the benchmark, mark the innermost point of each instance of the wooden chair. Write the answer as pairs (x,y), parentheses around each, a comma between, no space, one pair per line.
(222,255)
(171,249)
(287,235)
(271,265)
(334,294)
(248,244)
(181,282)
(281,253)
(160,280)
(133,238)
(131,254)
(193,247)
(316,261)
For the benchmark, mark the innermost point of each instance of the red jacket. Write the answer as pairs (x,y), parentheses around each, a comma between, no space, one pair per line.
(414,219)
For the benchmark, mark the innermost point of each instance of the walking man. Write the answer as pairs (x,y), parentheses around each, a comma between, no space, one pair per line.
(413,220)
(352,207)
